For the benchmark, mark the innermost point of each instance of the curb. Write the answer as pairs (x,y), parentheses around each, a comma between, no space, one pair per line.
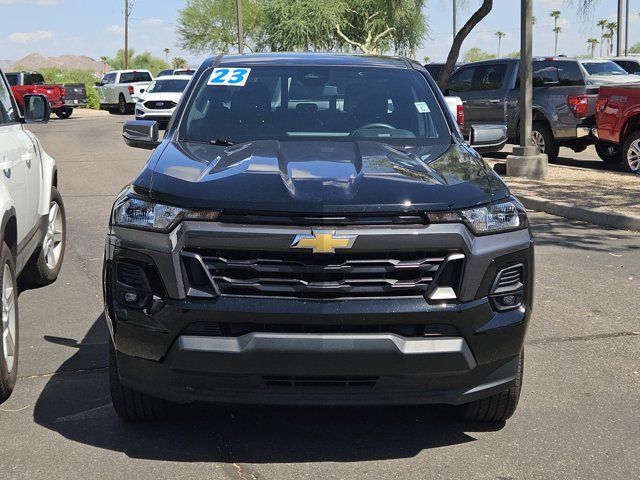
(595,216)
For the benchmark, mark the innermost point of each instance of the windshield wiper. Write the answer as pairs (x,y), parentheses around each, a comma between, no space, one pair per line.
(222,142)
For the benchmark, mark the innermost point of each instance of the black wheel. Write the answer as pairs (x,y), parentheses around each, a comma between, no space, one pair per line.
(45,264)
(123,106)
(630,155)
(130,405)
(609,153)
(542,136)
(64,113)
(499,407)
(9,341)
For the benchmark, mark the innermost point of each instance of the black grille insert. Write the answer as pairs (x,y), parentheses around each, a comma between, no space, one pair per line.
(321,276)
(159,105)
(510,279)
(320,382)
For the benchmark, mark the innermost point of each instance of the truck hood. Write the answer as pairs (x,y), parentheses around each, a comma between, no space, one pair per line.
(319,176)
(161,96)
(612,79)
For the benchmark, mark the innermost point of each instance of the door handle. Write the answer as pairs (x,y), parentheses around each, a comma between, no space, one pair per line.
(494,102)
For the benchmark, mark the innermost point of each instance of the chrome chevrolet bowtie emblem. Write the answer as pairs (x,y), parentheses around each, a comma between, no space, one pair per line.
(323,241)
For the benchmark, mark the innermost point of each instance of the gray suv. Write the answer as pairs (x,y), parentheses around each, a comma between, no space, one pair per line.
(563,104)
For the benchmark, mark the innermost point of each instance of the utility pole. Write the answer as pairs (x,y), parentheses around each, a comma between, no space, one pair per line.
(127,12)
(240,37)
(626,30)
(455,19)
(526,161)
(619,35)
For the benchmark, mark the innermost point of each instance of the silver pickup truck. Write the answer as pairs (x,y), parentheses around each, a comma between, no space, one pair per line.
(119,90)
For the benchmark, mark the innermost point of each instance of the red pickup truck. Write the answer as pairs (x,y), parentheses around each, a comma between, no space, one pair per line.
(618,122)
(24,83)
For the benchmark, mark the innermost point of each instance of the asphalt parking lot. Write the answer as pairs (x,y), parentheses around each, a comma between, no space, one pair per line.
(578,416)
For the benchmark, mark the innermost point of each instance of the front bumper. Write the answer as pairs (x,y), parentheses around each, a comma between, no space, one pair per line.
(468,349)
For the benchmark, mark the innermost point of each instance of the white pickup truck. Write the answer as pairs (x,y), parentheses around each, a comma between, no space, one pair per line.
(119,90)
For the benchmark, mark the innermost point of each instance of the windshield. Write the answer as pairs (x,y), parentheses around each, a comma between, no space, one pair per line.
(168,86)
(604,68)
(319,103)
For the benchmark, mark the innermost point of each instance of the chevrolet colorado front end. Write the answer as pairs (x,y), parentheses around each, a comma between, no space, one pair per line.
(312,229)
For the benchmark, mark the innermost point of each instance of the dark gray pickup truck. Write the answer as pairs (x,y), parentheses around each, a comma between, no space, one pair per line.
(563,105)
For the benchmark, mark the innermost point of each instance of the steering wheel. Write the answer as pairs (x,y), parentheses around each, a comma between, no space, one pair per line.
(376,125)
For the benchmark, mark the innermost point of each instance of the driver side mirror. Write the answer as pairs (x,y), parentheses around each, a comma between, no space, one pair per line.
(98,84)
(36,109)
(141,134)
(488,138)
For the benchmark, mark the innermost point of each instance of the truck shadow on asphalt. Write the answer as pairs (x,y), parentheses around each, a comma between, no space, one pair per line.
(76,404)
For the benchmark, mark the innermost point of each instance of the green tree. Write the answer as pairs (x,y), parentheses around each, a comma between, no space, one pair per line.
(377,26)
(178,62)
(142,61)
(514,54)
(476,55)
(500,36)
(292,25)
(166,54)
(426,60)
(635,48)
(557,31)
(210,26)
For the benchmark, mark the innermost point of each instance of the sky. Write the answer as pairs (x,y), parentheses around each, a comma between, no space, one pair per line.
(95,27)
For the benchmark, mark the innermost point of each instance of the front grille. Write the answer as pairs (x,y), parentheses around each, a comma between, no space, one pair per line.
(159,105)
(320,382)
(319,276)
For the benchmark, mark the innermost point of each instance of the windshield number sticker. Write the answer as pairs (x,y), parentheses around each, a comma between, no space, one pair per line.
(422,107)
(234,77)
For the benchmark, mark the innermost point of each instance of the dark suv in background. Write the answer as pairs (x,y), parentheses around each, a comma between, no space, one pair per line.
(563,104)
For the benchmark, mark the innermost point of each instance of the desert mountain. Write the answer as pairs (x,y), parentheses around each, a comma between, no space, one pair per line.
(34,61)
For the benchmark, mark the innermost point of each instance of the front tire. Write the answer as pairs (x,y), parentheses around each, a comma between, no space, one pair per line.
(45,264)
(630,157)
(609,153)
(500,407)
(9,324)
(64,113)
(130,405)
(542,136)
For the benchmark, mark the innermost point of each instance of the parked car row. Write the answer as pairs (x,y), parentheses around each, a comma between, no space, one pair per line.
(565,92)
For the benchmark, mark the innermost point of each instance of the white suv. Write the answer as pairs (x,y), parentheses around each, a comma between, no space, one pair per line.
(160,100)
(32,227)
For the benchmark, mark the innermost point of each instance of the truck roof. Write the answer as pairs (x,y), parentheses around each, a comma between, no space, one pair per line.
(134,70)
(307,58)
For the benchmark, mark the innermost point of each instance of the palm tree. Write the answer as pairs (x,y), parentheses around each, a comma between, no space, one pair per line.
(608,37)
(611,26)
(602,24)
(500,36)
(556,29)
(592,42)
(533,20)
(166,54)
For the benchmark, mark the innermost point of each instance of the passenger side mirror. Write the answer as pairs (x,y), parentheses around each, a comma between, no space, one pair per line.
(488,138)
(141,134)
(142,90)
(98,84)
(36,109)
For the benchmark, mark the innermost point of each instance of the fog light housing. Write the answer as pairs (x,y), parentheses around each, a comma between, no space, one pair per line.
(507,291)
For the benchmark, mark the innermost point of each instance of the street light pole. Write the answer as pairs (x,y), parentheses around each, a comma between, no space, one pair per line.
(455,19)
(240,36)
(619,35)
(626,30)
(526,161)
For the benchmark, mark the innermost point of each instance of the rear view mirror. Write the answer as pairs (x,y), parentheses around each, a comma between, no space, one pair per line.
(141,134)
(488,138)
(36,109)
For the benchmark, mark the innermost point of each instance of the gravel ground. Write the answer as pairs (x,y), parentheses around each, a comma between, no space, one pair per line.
(581,179)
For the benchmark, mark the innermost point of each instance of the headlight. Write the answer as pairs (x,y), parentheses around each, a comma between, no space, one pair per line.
(140,213)
(495,218)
